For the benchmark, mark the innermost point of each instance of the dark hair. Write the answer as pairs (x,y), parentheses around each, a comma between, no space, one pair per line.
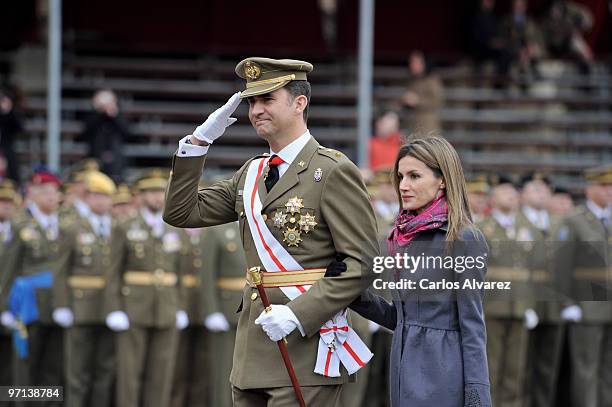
(298,88)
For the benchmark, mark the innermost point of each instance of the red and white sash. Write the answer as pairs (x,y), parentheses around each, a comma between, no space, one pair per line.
(338,342)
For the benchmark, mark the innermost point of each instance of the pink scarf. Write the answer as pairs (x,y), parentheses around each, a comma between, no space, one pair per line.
(408,224)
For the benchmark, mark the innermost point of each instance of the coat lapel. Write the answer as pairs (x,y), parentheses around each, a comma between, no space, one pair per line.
(290,178)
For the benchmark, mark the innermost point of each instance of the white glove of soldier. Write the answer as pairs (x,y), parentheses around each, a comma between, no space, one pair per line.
(216,322)
(182,320)
(531,319)
(573,313)
(118,321)
(279,322)
(218,121)
(8,320)
(63,317)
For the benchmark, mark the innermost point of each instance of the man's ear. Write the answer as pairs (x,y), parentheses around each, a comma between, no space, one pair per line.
(301,102)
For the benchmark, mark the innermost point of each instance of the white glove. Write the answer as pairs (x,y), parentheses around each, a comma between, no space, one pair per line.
(531,319)
(8,320)
(216,322)
(63,317)
(182,320)
(373,326)
(118,321)
(218,121)
(279,322)
(573,313)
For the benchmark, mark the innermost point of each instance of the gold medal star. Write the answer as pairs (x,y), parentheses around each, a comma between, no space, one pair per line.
(292,237)
(307,222)
(294,205)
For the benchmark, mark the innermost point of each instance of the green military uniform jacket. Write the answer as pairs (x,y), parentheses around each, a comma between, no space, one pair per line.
(510,260)
(582,262)
(33,252)
(156,295)
(82,272)
(225,264)
(345,224)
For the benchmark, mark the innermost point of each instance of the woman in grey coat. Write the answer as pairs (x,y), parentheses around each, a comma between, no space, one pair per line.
(438,354)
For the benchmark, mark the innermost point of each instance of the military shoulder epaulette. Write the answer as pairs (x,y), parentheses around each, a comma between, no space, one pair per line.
(331,153)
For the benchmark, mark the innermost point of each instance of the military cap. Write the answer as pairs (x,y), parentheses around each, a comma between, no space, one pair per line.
(478,184)
(599,175)
(41,177)
(382,177)
(122,195)
(265,75)
(535,176)
(80,169)
(98,182)
(8,191)
(155,178)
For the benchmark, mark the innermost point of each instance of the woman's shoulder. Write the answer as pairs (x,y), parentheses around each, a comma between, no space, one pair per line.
(470,233)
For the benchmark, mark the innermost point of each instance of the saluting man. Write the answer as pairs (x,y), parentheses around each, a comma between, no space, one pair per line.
(78,300)
(145,300)
(298,208)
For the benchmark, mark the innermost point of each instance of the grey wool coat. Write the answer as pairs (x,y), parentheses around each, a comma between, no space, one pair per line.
(438,353)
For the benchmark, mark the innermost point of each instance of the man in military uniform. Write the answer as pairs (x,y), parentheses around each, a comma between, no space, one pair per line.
(478,196)
(145,294)
(581,260)
(193,367)
(509,314)
(123,207)
(33,261)
(73,204)
(78,301)
(297,210)
(224,266)
(546,338)
(9,199)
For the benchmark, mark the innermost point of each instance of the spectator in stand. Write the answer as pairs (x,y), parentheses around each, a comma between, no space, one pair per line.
(423,97)
(105,133)
(10,126)
(385,145)
(564,28)
(524,38)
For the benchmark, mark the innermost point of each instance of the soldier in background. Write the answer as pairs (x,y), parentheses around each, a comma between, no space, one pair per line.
(478,196)
(9,200)
(123,207)
(224,267)
(193,367)
(509,314)
(73,203)
(581,260)
(84,260)
(144,299)
(546,339)
(40,356)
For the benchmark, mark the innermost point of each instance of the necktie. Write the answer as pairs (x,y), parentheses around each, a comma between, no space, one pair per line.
(273,175)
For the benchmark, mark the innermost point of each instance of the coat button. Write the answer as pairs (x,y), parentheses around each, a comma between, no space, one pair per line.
(78,293)
(265,217)
(253,296)
(242,214)
(125,291)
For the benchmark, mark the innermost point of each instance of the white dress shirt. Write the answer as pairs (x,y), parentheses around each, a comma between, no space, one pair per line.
(49,223)
(155,221)
(600,213)
(538,218)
